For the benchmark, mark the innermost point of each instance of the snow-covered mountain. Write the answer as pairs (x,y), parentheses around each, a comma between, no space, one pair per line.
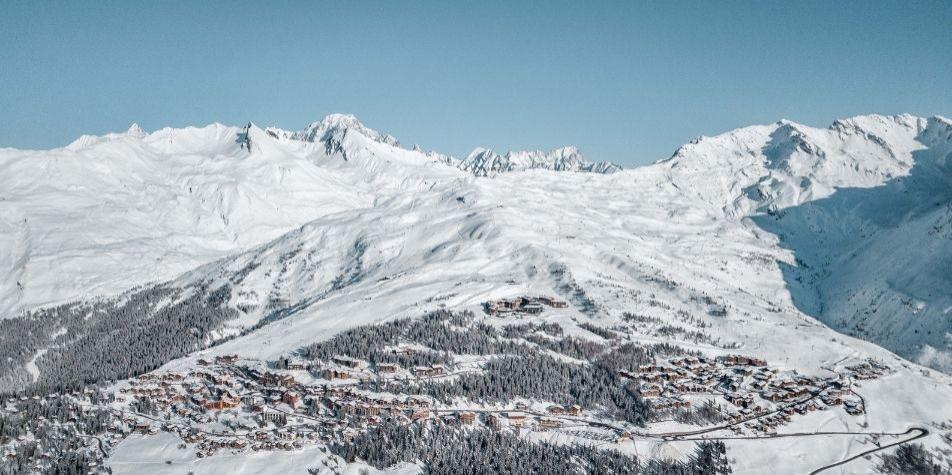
(335,131)
(864,205)
(264,242)
(332,131)
(485,162)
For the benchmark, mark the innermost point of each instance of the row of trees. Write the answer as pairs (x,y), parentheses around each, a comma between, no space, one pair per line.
(566,285)
(58,432)
(913,459)
(537,376)
(445,333)
(146,330)
(105,340)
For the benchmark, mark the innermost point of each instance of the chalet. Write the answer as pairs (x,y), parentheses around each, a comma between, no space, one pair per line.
(332,373)
(516,419)
(346,361)
(387,367)
(275,417)
(547,423)
(295,364)
(345,408)
(466,417)
(532,308)
(253,398)
(773,396)
(556,409)
(418,402)
(368,410)
(221,404)
(428,371)
(276,379)
(649,390)
(142,427)
(739,399)
(419,415)
(291,398)
(575,410)
(226,359)
(853,407)
(492,421)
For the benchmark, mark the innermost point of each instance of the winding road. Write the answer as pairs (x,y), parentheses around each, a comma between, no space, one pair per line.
(922,433)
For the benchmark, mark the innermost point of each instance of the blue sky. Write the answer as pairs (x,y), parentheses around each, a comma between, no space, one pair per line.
(626,81)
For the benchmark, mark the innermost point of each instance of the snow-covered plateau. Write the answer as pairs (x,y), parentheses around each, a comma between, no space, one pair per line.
(781,292)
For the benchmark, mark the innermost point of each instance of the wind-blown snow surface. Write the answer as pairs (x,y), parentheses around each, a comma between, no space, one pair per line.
(773,224)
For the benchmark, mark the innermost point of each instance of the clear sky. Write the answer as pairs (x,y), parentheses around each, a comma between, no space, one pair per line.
(626,81)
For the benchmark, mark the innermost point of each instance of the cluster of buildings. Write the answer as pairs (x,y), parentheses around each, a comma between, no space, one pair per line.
(278,412)
(755,394)
(269,409)
(344,367)
(521,305)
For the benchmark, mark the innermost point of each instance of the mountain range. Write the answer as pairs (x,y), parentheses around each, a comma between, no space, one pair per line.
(804,246)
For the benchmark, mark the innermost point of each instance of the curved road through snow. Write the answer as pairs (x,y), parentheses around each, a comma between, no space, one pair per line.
(922,433)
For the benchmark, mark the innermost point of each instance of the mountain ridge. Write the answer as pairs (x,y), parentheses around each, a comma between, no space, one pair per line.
(260,174)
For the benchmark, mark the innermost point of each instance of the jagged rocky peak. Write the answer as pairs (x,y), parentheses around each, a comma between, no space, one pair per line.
(937,132)
(135,131)
(333,127)
(486,162)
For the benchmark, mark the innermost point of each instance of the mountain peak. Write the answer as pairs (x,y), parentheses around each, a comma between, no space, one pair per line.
(486,162)
(135,131)
(346,121)
(334,126)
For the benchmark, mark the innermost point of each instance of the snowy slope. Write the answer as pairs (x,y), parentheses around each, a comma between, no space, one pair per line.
(117,210)
(863,204)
